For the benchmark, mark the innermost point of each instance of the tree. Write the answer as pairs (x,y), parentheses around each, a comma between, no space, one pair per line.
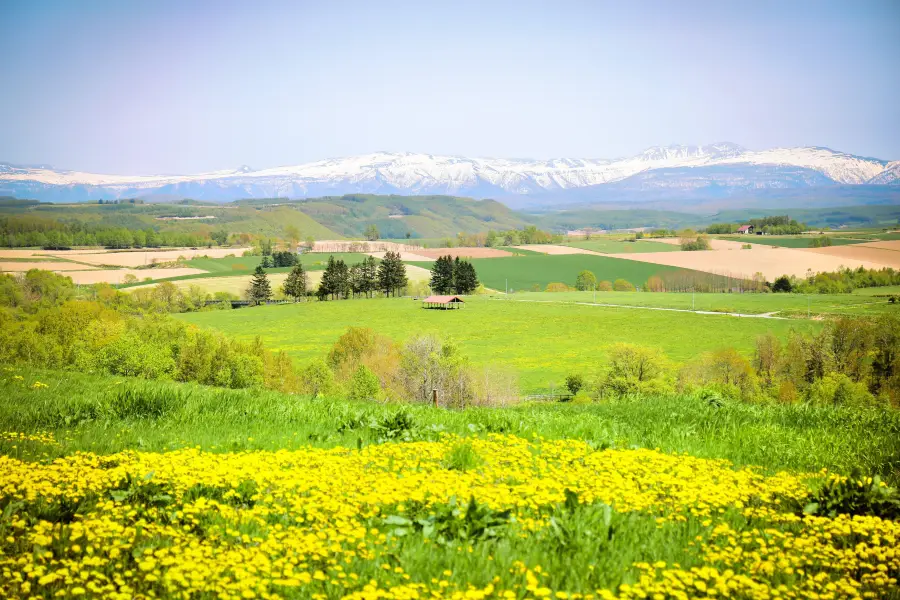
(370,275)
(586,281)
(295,284)
(391,274)
(491,239)
(292,234)
(442,275)
(260,290)
(220,237)
(574,383)
(782,284)
(465,280)
(371,232)
(265,263)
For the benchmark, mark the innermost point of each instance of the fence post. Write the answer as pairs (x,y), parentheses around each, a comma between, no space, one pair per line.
(434,397)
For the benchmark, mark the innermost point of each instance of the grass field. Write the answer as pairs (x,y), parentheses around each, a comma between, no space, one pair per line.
(784,305)
(524,272)
(878,291)
(235,493)
(789,241)
(542,342)
(618,246)
(310,262)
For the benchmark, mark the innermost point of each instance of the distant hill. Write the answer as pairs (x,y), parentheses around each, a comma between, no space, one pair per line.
(420,216)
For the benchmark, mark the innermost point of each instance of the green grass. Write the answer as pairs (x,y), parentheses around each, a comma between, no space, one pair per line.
(785,305)
(878,291)
(240,267)
(542,342)
(246,264)
(794,241)
(97,413)
(524,272)
(619,246)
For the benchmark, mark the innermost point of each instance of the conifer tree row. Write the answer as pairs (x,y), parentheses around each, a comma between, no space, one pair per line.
(363,279)
(453,276)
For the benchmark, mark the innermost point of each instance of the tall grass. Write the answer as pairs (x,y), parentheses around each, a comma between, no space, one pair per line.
(108,414)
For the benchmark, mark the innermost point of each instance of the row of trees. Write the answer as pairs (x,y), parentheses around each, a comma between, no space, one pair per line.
(842,281)
(116,238)
(453,276)
(772,225)
(363,279)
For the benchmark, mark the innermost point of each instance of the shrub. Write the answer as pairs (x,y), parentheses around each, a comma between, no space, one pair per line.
(623,285)
(582,397)
(364,384)
(605,286)
(557,287)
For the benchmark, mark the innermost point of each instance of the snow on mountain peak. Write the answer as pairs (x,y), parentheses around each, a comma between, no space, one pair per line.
(409,172)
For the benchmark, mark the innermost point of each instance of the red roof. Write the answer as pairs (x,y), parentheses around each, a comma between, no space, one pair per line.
(744,228)
(442,299)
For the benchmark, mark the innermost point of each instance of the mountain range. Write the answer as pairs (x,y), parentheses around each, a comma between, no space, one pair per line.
(680,174)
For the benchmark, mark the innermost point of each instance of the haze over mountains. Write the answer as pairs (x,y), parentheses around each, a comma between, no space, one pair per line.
(677,174)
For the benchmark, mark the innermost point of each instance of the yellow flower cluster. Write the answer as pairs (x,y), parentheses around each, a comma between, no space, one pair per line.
(40,437)
(189,523)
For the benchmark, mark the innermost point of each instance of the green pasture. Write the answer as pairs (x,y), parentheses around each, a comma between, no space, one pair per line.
(620,246)
(525,272)
(887,290)
(861,302)
(542,342)
(793,241)
(239,264)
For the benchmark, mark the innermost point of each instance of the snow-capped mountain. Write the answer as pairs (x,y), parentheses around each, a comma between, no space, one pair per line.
(722,165)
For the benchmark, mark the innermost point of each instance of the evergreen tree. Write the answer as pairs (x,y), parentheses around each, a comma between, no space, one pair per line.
(342,286)
(295,284)
(259,291)
(370,275)
(465,280)
(392,274)
(327,286)
(442,275)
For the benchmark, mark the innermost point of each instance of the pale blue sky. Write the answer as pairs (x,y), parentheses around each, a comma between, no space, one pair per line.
(180,87)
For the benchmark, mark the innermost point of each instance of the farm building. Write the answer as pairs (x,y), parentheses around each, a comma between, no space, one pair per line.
(443,302)
(747,229)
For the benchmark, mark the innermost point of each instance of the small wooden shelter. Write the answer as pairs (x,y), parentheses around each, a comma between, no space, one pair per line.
(442,302)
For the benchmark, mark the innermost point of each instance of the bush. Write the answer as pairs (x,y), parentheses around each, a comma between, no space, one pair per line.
(557,287)
(623,285)
(605,286)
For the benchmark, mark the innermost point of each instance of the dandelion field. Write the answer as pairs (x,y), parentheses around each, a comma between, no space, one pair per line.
(200,492)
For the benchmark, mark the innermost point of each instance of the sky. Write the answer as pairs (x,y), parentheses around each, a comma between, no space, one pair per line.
(153,87)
